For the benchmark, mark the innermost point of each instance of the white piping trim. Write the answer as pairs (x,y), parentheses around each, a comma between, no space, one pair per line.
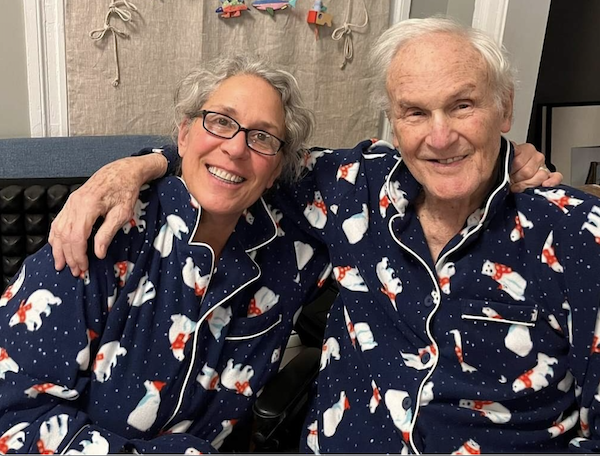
(486,211)
(274,227)
(203,317)
(258,334)
(68,446)
(499,320)
(435,282)
(427,326)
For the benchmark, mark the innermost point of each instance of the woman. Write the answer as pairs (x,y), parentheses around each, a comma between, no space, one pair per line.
(163,345)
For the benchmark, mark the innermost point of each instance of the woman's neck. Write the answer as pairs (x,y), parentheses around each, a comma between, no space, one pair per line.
(215,232)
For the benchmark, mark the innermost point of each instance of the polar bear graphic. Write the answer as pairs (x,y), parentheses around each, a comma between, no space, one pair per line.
(96,445)
(137,221)
(143,293)
(52,433)
(13,439)
(7,364)
(218,319)
(592,225)
(180,332)
(356,225)
(30,311)
(392,285)
(310,158)
(53,390)
(334,414)
(559,197)
(123,270)
(12,289)
(521,222)
(536,378)
(350,278)
(237,378)
(193,279)
(399,404)
(445,272)
(548,256)
(264,299)
(106,360)
(208,378)
(175,227)
(312,439)
(469,447)
(348,172)
(425,358)
(316,212)
(509,281)
(331,349)
(493,411)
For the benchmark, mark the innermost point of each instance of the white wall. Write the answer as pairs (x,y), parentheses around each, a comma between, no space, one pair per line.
(524,39)
(14,111)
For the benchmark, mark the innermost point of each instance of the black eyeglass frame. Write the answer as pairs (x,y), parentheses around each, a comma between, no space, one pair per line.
(246,131)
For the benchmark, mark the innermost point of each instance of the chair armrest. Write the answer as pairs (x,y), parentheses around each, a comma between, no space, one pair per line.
(285,394)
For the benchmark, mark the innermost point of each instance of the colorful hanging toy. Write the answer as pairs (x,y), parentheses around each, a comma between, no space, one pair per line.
(271,6)
(231,8)
(317,15)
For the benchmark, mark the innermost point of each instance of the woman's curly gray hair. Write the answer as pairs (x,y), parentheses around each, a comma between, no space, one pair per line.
(196,88)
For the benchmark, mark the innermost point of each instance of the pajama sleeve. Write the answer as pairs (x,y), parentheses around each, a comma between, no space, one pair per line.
(48,321)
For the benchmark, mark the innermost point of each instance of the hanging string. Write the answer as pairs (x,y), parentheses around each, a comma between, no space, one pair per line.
(345,31)
(123,9)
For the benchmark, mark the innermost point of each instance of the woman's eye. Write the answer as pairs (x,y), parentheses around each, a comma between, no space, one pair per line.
(262,137)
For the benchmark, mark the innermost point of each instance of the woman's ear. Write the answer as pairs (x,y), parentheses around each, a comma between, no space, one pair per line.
(182,136)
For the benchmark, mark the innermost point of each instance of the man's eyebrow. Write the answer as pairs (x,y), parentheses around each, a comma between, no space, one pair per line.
(465,91)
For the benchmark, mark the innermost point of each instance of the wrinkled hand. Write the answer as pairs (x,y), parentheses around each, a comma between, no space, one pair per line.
(528,170)
(111,192)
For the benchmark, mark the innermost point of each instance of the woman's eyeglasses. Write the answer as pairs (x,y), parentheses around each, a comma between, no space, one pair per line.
(225,127)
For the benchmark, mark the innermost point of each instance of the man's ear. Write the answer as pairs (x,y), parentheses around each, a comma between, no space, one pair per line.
(183,136)
(395,141)
(507,113)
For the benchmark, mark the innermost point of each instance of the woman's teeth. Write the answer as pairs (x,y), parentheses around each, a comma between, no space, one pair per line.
(224,175)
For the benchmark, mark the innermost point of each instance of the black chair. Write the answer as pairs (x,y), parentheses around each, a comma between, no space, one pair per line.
(280,411)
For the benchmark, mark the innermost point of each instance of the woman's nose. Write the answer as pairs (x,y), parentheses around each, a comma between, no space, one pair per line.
(236,147)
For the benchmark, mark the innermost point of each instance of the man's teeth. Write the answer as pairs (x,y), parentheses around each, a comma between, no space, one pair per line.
(450,160)
(224,175)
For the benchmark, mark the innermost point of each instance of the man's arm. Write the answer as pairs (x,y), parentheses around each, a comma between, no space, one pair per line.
(112,191)
(529,170)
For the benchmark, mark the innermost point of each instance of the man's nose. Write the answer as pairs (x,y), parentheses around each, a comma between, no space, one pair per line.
(236,147)
(442,133)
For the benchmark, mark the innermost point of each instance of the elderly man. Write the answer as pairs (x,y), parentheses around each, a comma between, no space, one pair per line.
(467,317)
(466,312)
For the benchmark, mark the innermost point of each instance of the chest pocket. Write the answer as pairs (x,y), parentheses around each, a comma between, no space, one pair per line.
(253,327)
(497,337)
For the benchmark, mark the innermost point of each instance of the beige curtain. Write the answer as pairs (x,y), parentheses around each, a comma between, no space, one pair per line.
(168,37)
